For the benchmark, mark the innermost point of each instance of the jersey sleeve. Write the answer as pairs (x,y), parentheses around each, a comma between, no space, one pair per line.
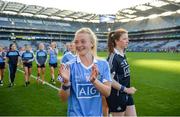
(36,58)
(106,73)
(65,58)
(32,58)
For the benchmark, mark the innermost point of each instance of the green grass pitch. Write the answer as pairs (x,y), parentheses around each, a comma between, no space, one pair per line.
(155,75)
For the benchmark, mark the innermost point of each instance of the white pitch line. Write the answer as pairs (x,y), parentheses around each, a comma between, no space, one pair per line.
(41,81)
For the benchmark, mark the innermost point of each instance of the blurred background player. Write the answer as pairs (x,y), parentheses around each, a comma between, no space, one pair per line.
(70,54)
(41,59)
(21,51)
(2,64)
(66,48)
(53,53)
(27,59)
(12,58)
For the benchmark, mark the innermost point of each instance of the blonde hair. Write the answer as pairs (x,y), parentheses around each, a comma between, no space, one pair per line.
(92,37)
(54,43)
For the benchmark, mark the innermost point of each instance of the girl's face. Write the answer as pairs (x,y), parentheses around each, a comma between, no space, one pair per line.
(72,47)
(41,46)
(28,48)
(53,45)
(123,41)
(83,44)
(13,47)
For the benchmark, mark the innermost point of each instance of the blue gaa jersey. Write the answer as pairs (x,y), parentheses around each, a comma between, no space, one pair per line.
(13,56)
(2,57)
(53,56)
(41,57)
(67,57)
(28,56)
(85,99)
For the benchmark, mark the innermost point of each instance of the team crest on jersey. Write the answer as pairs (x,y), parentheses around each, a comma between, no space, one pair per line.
(87,91)
(41,54)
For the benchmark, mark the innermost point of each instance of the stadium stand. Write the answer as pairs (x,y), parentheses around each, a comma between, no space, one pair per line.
(157,34)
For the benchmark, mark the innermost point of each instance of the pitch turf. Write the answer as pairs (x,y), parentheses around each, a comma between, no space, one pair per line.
(155,75)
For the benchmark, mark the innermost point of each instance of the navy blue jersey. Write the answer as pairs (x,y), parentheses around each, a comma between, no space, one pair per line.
(41,57)
(120,67)
(2,57)
(27,56)
(13,55)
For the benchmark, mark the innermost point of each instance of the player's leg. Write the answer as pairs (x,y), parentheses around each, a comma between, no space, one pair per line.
(43,73)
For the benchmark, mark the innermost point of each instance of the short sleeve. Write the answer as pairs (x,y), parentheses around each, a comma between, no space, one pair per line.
(106,72)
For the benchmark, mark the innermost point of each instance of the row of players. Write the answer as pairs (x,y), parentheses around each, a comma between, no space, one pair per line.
(86,79)
(26,57)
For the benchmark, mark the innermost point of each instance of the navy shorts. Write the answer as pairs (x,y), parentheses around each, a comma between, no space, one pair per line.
(118,103)
(41,66)
(29,65)
(2,65)
(54,65)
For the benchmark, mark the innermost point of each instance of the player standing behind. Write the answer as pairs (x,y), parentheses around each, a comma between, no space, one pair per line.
(66,48)
(53,52)
(70,54)
(85,78)
(2,65)
(120,101)
(41,59)
(21,51)
(27,59)
(12,58)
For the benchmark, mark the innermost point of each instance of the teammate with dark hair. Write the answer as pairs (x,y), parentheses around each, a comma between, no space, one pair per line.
(120,101)
(12,58)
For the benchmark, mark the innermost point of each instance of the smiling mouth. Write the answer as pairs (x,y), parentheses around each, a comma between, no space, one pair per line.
(80,48)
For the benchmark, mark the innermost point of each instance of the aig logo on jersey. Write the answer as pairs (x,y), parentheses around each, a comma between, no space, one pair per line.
(87,91)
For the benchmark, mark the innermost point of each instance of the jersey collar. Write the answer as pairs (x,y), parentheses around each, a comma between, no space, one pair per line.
(117,52)
(79,61)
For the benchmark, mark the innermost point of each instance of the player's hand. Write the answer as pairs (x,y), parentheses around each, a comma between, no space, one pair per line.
(64,72)
(94,73)
(130,90)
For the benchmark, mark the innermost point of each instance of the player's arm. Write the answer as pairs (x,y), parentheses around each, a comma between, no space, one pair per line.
(103,87)
(36,58)
(46,57)
(116,85)
(64,73)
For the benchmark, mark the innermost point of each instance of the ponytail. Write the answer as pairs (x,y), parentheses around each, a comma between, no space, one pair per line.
(111,42)
(112,37)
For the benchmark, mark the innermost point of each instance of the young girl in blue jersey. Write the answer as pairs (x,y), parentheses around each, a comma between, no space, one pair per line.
(41,59)
(120,101)
(85,78)
(53,52)
(12,58)
(70,54)
(2,65)
(27,59)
